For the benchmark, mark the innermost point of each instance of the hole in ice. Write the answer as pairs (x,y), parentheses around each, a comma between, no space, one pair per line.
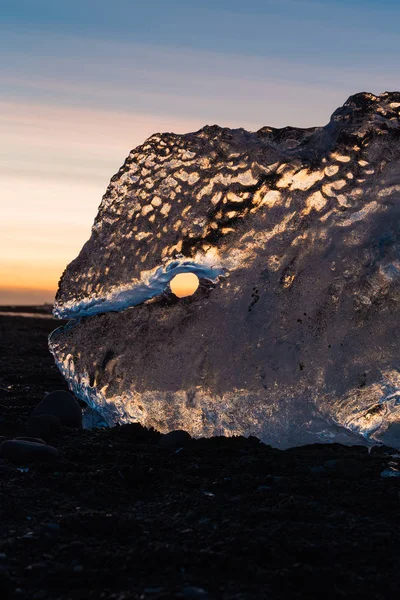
(184,284)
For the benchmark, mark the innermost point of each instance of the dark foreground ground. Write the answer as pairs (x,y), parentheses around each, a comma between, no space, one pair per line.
(118,517)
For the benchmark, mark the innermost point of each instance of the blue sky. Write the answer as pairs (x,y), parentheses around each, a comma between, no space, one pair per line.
(83,82)
(218,60)
(333,31)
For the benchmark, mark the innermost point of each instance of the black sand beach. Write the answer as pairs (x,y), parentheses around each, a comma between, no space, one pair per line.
(119,517)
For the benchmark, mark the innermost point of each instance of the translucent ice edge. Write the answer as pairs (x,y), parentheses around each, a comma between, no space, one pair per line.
(360,424)
(127,296)
(309,427)
(312,427)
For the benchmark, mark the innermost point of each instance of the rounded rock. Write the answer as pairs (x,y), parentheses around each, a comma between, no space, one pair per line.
(194,592)
(62,405)
(43,426)
(175,438)
(26,438)
(343,467)
(21,451)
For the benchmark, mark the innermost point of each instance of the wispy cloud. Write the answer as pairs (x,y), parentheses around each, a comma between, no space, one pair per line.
(72,143)
(229,88)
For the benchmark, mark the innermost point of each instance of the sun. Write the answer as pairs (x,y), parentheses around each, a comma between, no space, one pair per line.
(184,284)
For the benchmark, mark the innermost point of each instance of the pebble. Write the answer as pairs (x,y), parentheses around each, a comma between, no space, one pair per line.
(264,488)
(390,472)
(77,569)
(174,439)
(317,470)
(192,591)
(63,405)
(36,440)
(50,528)
(21,451)
(44,426)
(343,467)
(40,595)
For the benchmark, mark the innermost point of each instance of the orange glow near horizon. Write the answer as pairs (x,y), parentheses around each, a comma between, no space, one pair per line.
(58,165)
(10,296)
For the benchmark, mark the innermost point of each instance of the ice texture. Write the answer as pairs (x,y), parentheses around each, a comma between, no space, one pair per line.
(293,334)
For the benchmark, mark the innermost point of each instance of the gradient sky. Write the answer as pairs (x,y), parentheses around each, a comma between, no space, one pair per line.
(85,81)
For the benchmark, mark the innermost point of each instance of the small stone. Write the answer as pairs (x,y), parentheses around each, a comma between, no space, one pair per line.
(174,439)
(20,451)
(51,528)
(317,470)
(43,426)
(40,595)
(343,467)
(264,488)
(62,405)
(36,440)
(77,569)
(390,472)
(194,592)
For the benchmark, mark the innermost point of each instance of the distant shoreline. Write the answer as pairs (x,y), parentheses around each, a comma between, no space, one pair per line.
(35,315)
(26,309)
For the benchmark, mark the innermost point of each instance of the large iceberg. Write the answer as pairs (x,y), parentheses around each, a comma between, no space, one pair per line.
(293,332)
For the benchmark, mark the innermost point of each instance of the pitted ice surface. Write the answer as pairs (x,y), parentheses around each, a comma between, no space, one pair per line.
(293,235)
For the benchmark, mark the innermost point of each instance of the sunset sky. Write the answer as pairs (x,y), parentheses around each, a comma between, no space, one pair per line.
(85,81)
